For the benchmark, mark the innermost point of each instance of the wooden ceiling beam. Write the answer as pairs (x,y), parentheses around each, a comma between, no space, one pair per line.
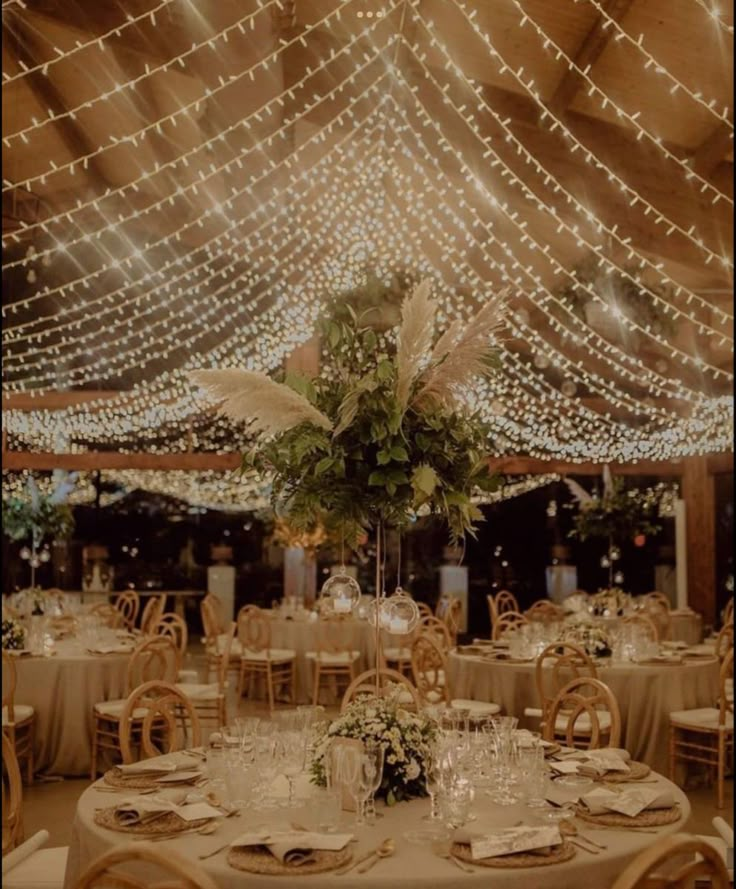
(596,40)
(533,466)
(709,154)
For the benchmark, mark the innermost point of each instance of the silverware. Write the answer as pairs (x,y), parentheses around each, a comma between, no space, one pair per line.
(580,845)
(457,862)
(362,858)
(385,850)
(213,852)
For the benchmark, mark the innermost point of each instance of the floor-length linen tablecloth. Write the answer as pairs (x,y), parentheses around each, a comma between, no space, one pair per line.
(412,867)
(302,635)
(63,689)
(646,695)
(686,626)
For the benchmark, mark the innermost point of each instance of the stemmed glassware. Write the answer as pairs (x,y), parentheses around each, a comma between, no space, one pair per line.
(432,780)
(290,747)
(373,766)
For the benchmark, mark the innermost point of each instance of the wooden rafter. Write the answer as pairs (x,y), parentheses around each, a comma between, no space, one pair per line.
(709,154)
(596,40)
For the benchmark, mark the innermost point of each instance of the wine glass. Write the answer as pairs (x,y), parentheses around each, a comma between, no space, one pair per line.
(373,765)
(350,773)
(432,781)
(291,759)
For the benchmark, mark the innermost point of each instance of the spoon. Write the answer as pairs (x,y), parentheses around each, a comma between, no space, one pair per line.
(385,850)
(456,861)
(371,854)
(569,829)
(205,829)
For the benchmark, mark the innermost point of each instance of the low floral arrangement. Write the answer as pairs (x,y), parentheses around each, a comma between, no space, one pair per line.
(403,735)
(613,602)
(13,635)
(32,600)
(590,637)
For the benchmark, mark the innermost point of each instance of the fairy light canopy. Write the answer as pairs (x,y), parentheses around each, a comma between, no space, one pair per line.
(186,183)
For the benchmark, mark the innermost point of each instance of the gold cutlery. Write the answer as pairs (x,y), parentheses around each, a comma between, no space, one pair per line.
(385,850)
(363,858)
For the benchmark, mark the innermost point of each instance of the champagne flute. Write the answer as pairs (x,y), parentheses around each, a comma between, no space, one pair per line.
(374,759)
(432,781)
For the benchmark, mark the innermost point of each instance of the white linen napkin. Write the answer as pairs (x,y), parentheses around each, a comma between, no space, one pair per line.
(144,809)
(509,840)
(600,762)
(146,767)
(294,847)
(629,802)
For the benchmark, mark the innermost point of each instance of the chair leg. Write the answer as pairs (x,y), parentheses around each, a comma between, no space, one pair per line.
(269,687)
(317,675)
(292,683)
(29,765)
(721,766)
(672,757)
(93,768)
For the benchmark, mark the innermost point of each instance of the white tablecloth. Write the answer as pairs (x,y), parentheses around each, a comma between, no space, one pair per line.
(62,689)
(412,867)
(646,695)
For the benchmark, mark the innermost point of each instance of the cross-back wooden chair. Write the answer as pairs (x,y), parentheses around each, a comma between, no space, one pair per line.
(453,616)
(508,622)
(155,657)
(382,683)
(558,664)
(424,610)
(544,611)
(209,699)
(428,667)
(12,798)
(661,866)
(175,627)
(152,612)
(398,656)
(19,720)
(724,641)
(163,870)
(107,614)
(275,666)
(656,598)
(215,635)
(436,628)
(506,601)
(585,714)
(128,604)
(705,735)
(216,611)
(152,719)
(335,658)
(728,612)
(643,620)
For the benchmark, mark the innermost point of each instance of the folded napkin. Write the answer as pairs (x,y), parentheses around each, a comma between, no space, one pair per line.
(674,644)
(593,763)
(509,840)
(659,659)
(115,648)
(294,847)
(160,767)
(180,777)
(144,809)
(629,802)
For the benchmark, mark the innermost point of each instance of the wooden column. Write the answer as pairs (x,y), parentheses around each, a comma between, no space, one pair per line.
(698,492)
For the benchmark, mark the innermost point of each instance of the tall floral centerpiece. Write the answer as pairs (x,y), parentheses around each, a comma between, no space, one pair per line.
(618,514)
(384,433)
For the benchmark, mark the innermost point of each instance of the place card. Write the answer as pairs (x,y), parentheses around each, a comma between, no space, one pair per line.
(514,839)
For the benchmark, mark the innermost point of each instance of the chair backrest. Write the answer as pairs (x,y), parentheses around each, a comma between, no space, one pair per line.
(381,683)
(433,626)
(424,610)
(655,599)
(728,612)
(175,627)
(254,631)
(156,657)
(724,641)
(12,796)
(152,613)
(557,665)
(702,861)
(128,604)
(429,669)
(163,870)
(215,611)
(544,611)
(492,610)
(10,680)
(108,614)
(453,616)
(335,636)
(163,704)
(506,601)
(580,704)
(507,623)
(224,663)
(657,608)
(577,593)
(725,704)
(645,622)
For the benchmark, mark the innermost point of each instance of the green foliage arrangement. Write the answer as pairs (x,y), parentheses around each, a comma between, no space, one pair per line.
(383,433)
(619,513)
(38,516)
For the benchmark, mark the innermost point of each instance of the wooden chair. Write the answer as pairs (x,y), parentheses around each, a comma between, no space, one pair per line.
(176,871)
(702,863)
(452,617)
(398,657)
(108,614)
(728,612)
(544,611)
(128,604)
(335,658)
(645,622)
(589,711)
(155,657)
(502,602)
(152,614)
(724,641)
(25,865)
(556,666)
(209,699)
(424,610)
(163,704)
(706,735)
(382,683)
(660,615)
(258,659)
(215,636)
(507,623)
(175,627)
(216,611)
(429,669)
(656,598)
(19,720)
(433,626)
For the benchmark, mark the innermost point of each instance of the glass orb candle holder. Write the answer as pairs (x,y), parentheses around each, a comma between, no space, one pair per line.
(339,595)
(403,613)
(378,613)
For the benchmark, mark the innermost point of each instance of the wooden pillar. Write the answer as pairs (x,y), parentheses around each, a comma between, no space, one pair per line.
(698,492)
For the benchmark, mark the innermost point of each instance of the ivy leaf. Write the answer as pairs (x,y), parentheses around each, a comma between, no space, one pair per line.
(376,479)
(383,457)
(424,480)
(399,453)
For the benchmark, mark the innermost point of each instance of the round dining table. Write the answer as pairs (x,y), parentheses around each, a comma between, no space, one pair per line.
(646,694)
(62,687)
(412,866)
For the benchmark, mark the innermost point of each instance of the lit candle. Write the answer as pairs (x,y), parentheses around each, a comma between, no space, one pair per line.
(398,625)
(342,606)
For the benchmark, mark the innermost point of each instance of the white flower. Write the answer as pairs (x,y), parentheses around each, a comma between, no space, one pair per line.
(412,771)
